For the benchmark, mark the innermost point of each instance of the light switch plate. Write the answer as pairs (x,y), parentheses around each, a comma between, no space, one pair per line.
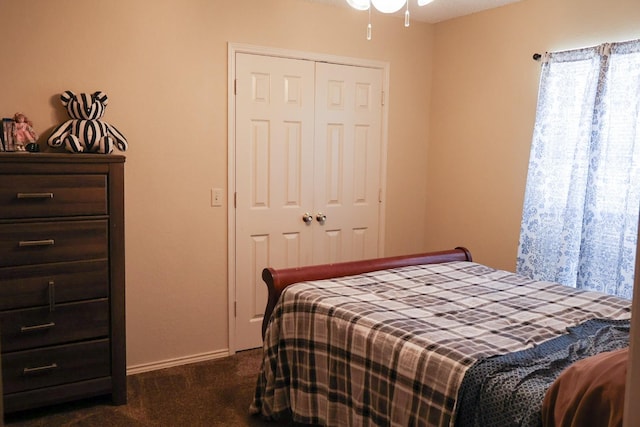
(216,197)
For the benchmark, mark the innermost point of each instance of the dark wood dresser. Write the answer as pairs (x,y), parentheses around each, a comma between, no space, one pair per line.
(62,278)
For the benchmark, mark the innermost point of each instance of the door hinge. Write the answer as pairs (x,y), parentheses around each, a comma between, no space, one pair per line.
(235,86)
(235,309)
(380,195)
(382,98)
(235,200)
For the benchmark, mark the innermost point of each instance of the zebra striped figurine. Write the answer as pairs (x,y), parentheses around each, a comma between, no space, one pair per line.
(85,132)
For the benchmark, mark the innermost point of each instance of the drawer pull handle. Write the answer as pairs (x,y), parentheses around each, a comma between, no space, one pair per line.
(52,295)
(35,195)
(37,327)
(37,369)
(29,243)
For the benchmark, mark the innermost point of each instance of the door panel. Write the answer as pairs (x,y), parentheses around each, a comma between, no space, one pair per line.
(347,161)
(274,188)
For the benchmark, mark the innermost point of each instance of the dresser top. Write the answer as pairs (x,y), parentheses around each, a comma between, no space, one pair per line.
(26,157)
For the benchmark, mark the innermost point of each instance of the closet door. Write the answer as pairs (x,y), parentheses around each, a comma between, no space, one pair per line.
(347,162)
(308,162)
(274,178)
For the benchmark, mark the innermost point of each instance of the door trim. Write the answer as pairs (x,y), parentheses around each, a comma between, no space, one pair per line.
(234,48)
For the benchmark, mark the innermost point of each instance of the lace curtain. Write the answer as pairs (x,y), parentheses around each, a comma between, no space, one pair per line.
(580,215)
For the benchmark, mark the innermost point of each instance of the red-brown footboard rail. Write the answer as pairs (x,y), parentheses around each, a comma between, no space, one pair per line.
(278,279)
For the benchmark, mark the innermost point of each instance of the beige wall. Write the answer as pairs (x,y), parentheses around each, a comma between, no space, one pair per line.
(483,109)
(163,63)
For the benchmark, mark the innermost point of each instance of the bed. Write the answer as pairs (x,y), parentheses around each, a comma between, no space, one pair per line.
(424,340)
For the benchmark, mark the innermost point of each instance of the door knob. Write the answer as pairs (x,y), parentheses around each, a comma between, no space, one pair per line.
(320,217)
(307,218)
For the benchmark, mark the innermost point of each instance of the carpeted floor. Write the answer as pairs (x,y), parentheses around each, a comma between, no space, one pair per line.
(212,393)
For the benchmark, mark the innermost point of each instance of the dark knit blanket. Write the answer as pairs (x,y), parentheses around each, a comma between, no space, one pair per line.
(508,390)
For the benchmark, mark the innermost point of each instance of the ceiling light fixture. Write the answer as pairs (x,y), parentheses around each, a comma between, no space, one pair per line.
(384,6)
(388,6)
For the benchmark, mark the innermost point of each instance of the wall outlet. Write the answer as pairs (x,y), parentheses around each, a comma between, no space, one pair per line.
(216,197)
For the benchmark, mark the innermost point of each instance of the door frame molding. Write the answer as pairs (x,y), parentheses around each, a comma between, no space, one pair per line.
(234,48)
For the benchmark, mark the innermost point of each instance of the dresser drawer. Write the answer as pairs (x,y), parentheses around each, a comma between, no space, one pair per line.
(33,369)
(45,242)
(35,196)
(36,327)
(46,284)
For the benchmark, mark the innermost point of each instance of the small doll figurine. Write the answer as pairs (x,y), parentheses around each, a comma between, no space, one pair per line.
(23,132)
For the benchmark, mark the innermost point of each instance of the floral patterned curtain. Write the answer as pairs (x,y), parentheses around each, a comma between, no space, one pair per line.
(580,215)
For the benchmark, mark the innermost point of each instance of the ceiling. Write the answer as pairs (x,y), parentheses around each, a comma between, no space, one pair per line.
(438,10)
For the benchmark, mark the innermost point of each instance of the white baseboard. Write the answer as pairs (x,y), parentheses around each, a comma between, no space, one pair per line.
(169,363)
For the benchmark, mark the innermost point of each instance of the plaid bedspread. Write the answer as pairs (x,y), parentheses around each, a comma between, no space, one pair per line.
(391,348)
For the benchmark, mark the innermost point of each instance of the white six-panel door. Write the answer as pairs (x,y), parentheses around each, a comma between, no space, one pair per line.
(347,162)
(274,146)
(307,141)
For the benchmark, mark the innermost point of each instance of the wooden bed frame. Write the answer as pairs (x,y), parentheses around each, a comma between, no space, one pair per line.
(278,279)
